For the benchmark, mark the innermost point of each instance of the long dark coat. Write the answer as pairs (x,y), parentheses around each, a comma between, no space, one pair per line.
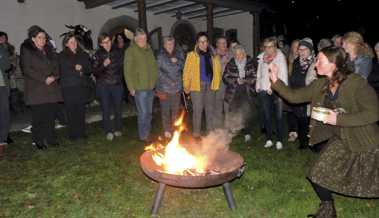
(37,65)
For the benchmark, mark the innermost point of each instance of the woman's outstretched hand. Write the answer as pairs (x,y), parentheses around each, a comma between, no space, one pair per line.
(273,71)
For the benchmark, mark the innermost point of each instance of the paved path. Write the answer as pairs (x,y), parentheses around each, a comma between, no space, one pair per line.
(22,120)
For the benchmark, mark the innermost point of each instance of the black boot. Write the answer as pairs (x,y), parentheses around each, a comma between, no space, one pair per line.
(9,140)
(326,210)
(40,146)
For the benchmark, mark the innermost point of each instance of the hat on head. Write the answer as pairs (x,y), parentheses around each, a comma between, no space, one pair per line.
(307,42)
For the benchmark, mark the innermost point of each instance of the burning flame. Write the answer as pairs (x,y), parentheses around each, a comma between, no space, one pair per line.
(174,158)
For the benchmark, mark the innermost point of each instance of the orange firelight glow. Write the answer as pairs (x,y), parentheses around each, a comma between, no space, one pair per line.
(174,158)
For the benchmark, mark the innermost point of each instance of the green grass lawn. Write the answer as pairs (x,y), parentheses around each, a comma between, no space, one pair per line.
(98,178)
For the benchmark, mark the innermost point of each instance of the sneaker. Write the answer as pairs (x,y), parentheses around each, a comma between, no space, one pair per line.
(117,133)
(59,126)
(27,129)
(110,136)
(247,137)
(292,136)
(167,134)
(279,145)
(268,144)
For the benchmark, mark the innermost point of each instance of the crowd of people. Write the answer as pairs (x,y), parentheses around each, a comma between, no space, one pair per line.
(222,81)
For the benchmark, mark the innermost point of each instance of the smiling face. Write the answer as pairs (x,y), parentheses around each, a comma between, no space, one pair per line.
(169,45)
(239,55)
(3,39)
(349,47)
(106,44)
(295,47)
(202,43)
(72,44)
(304,52)
(39,40)
(141,40)
(324,66)
(269,48)
(221,44)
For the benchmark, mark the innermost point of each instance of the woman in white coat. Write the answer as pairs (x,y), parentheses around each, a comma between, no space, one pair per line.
(269,100)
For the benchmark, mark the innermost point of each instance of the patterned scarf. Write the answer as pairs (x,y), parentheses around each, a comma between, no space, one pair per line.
(269,58)
(306,63)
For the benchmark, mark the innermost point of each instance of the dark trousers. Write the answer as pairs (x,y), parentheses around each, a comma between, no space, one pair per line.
(43,123)
(292,122)
(242,103)
(170,110)
(322,193)
(74,102)
(272,105)
(61,115)
(111,99)
(300,119)
(4,114)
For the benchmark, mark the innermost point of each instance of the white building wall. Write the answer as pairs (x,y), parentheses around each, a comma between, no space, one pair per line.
(52,15)
(242,22)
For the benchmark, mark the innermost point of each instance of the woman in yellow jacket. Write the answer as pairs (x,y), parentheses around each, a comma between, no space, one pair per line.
(201,78)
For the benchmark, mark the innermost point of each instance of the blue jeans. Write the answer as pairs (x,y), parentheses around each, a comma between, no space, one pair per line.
(111,99)
(144,102)
(272,104)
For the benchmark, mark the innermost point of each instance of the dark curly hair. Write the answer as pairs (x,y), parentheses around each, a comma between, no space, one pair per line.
(344,67)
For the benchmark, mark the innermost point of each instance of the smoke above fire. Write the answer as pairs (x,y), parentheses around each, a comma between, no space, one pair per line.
(219,140)
(183,156)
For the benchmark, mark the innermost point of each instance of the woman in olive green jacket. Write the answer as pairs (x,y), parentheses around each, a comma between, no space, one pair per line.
(349,163)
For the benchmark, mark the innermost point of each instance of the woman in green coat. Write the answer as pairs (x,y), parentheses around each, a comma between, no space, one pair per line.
(349,163)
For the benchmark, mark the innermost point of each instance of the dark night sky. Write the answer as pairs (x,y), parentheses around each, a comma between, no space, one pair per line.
(322,18)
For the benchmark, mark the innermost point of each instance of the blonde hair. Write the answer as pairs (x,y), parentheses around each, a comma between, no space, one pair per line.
(238,48)
(272,39)
(361,47)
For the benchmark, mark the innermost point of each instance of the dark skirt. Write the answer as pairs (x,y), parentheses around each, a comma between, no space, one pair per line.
(345,172)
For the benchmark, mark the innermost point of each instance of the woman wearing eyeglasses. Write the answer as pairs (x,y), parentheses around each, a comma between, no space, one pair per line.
(269,100)
(108,68)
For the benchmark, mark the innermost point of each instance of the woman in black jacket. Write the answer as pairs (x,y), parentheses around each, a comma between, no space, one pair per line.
(75,69)
(40,66)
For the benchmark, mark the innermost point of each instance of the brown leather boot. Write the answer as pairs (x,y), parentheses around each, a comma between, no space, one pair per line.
(326,210)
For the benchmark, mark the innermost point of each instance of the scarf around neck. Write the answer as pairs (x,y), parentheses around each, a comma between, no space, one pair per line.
(208,63)
(305,63)
(269,58)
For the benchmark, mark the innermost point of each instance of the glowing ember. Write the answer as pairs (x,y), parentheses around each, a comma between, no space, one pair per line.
(174,158)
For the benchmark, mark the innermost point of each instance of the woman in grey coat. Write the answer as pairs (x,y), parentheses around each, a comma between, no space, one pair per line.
(169,84)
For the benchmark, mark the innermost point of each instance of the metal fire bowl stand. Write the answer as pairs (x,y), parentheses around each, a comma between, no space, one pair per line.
(230,165)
